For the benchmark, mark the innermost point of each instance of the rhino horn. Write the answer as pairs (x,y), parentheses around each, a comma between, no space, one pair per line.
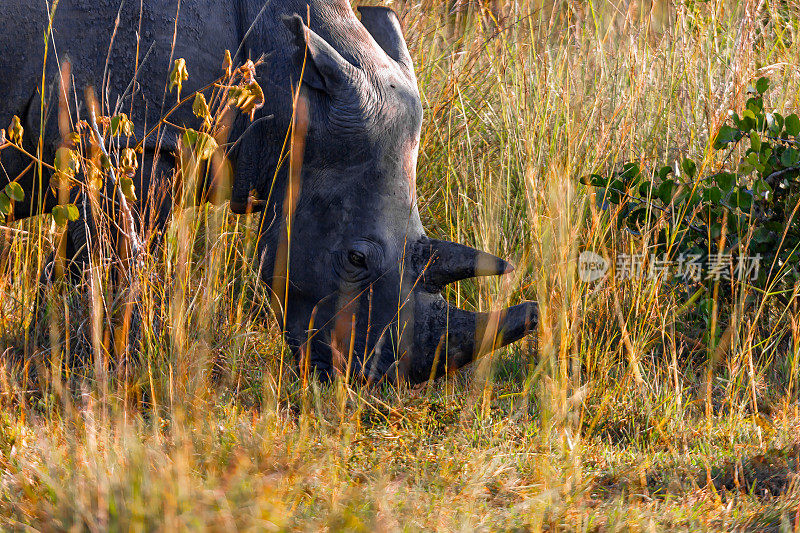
(449,338)
(449,262)
(384,26)
(325,68)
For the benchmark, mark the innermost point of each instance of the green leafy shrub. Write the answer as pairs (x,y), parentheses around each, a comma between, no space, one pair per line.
(745,212)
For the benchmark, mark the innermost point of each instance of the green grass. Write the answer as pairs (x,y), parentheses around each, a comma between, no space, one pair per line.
(619,415)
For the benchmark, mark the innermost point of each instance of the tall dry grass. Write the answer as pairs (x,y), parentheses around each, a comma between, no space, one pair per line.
(624,413)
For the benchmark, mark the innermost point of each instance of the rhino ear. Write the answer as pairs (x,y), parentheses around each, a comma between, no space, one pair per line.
(325,69)
(384,26)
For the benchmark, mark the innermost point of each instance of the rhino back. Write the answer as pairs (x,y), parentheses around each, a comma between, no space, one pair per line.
(108,43)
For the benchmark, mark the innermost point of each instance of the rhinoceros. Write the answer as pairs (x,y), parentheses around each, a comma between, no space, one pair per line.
(361,284)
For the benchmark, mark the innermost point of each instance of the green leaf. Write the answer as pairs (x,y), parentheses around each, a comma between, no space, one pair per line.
(736,222)
(637,217)
(203,144)
(14,191)
(665,171)
(201,110)
(693,197)
(748,121)
(762,236)
(60,215)
(726,181)
(67,161)
(743,199)
(644,189)
(762,85)
(65,213)
(792,124)
(206,146)
(756,105)
(595,180)
(128,188)
(713,195)
(790,157)
(613,197)
(761,187)
(72,212)
(689,168)
(665,191)
(630,173)
(617,185)
(725,136)
(121,125)
(715,212)
(755,141)
(189,137)
(5,204)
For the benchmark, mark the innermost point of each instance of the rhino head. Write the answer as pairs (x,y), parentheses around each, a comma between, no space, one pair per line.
(356,282)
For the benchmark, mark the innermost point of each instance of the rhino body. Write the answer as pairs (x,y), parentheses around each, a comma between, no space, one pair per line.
(361,272)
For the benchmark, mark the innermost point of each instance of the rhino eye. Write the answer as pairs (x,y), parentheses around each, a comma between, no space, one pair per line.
(357,262)
(357,259)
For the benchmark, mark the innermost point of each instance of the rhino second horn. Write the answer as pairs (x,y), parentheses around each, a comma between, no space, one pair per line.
(451,338)
(450,262)
(384,26)
(471,335)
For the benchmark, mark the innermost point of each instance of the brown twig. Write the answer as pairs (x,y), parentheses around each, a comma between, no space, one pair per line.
(129,225)
(26,153)
(773,178)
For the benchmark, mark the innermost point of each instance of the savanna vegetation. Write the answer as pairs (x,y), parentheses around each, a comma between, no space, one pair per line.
(649,399)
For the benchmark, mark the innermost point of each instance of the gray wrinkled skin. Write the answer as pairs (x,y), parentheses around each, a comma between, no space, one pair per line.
(361,270)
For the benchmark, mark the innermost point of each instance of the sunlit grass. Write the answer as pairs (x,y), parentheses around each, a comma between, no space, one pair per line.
(619,415)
